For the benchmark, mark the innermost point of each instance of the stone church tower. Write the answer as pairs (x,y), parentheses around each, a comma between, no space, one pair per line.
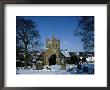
(52,48)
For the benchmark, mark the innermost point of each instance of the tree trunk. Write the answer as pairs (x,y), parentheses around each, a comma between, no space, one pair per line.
(26,54)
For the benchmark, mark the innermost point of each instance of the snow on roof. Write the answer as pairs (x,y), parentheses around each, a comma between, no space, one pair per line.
(66,53)
(38,53)
(34,60)
(23,62)
(18,60)
(39,61)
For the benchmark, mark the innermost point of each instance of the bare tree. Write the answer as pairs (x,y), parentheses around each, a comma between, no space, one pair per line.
(27,35)
(85,30)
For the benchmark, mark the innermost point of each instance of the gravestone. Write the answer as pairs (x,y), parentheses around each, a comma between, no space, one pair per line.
(85,69)
(63,66)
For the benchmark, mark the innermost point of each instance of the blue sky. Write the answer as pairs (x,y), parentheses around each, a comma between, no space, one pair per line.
(60,26)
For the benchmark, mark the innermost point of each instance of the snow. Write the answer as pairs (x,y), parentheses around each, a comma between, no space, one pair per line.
(90,59)
(18,60)
(66,53)
(34,59)
(56,69)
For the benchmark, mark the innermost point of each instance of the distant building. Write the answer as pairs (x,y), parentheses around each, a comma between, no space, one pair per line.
(65,55)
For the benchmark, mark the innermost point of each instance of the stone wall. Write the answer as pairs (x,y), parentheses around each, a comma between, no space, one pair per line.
(52,47)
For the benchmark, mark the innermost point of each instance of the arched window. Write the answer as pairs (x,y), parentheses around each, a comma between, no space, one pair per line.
(56,45)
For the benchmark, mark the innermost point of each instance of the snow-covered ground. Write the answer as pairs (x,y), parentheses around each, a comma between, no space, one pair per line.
(90,59)
(56,69)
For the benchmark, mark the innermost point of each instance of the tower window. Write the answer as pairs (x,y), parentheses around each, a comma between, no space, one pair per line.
(56,45)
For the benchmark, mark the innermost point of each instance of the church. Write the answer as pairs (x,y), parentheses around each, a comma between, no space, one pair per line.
(52,52)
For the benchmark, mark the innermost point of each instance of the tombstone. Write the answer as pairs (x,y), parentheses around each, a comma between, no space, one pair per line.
(63,66)
(39,65)
(85,69)
(71,67)
(91,71)
(33,66)
(48,67)
(79,66)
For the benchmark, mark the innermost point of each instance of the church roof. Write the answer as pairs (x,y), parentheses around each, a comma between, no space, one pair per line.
(66,53)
